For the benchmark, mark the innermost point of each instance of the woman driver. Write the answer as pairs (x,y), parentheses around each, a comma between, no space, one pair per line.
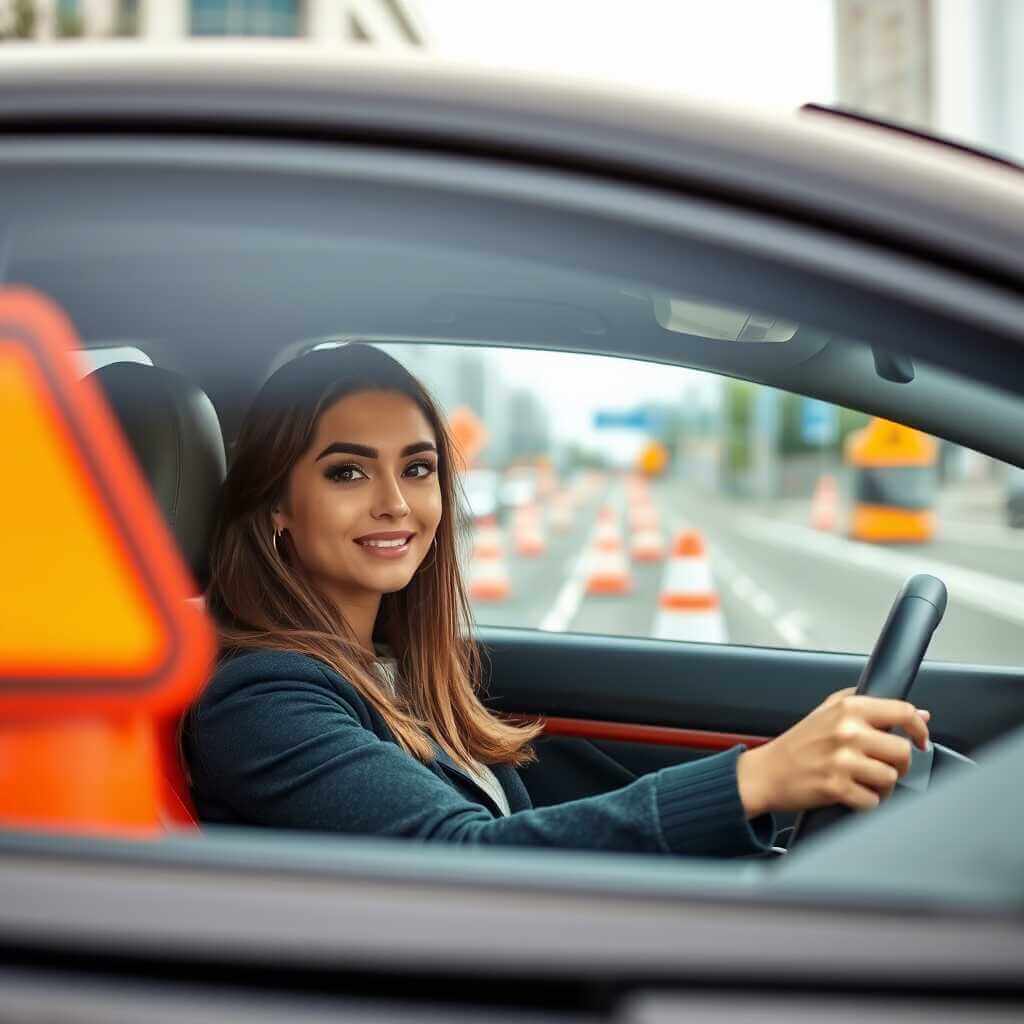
(337,540)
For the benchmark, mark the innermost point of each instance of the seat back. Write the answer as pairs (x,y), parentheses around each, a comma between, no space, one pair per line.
(177,810)
(173,429)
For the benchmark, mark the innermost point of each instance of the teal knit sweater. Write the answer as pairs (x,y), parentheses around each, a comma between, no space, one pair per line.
(280,740)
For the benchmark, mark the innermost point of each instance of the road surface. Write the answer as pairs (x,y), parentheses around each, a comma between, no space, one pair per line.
(779,582)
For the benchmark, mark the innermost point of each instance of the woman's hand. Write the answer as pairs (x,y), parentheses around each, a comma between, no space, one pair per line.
(838,754)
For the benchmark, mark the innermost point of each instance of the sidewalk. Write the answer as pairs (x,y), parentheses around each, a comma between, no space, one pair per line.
(963,503)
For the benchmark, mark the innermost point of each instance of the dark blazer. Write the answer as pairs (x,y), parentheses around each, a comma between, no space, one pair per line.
(281,740)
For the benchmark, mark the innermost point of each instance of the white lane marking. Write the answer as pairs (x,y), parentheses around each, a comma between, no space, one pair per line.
(563,611)
(790,626)
(981,590)
(572,592)
(764,604)
(722,566)
(744,587)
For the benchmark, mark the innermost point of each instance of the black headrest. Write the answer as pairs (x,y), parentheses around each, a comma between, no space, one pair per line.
(173,429)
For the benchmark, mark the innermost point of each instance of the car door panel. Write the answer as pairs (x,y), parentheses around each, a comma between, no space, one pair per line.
(702,697)
(569,767)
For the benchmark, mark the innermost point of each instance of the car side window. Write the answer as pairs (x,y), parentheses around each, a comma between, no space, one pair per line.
(662,502)
(614,495)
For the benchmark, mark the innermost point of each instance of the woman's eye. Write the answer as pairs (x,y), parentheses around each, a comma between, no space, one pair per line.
(426,468)
(343,474)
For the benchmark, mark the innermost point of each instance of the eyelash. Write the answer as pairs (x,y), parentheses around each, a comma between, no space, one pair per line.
(333,473)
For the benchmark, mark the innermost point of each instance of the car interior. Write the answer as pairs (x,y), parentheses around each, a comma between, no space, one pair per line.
(188,285)
(175,434)
(202,216)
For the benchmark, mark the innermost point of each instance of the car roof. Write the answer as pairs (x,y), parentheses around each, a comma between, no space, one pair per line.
(882,185)
(940,229)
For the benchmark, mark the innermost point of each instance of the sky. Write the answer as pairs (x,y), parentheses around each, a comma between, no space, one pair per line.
(574,387)
(773,53)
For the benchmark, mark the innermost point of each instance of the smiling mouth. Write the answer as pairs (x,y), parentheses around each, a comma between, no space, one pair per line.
(389,547)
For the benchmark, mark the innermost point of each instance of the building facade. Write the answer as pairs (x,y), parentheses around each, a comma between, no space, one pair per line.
(380,23)
(955,67)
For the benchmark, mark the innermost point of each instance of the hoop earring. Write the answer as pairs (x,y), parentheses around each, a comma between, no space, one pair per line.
(273,539)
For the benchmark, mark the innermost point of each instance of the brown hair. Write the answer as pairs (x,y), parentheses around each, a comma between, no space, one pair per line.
(262,599)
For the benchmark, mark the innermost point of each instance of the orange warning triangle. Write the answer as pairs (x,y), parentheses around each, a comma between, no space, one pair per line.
(93,612)
(72,601)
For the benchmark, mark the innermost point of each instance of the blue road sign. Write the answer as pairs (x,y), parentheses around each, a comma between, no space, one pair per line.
(625,419)
(819,421)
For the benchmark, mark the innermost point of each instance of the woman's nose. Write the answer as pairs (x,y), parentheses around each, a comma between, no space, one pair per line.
(389,500)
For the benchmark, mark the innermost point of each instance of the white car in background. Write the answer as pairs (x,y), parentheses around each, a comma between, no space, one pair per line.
(480,486)
(519,488)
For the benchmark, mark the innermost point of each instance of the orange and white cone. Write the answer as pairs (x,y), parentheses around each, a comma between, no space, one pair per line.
(488,541)
(643,516)
(488,571)
(637,489)
(646,545)
(825,503)
(547,482)
(608,573)
(608,568)
(688,607)
(528,530)
(607,534)
(560,518)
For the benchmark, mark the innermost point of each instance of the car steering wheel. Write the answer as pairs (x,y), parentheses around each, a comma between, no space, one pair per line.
(891,669)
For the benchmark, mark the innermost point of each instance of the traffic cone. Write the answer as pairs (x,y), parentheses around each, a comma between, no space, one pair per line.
(488,541)
(644,517)
(528,530)
(608,573)
(608,568)
(688,607)
(560,518)
(607,534)
(488,572)
(547,482)
(488,580)
(825,503)
(637,488)
(647,545)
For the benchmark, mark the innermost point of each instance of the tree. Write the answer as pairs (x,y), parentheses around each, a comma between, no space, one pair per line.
(22,20)
(69,21)
(791,440)
(738,413)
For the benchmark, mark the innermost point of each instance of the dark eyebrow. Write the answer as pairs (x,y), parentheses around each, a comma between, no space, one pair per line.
(347,448)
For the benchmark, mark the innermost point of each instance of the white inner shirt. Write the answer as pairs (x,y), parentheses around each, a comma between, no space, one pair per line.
(480,773)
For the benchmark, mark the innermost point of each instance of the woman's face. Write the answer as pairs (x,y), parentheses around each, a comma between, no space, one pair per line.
(363,503)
